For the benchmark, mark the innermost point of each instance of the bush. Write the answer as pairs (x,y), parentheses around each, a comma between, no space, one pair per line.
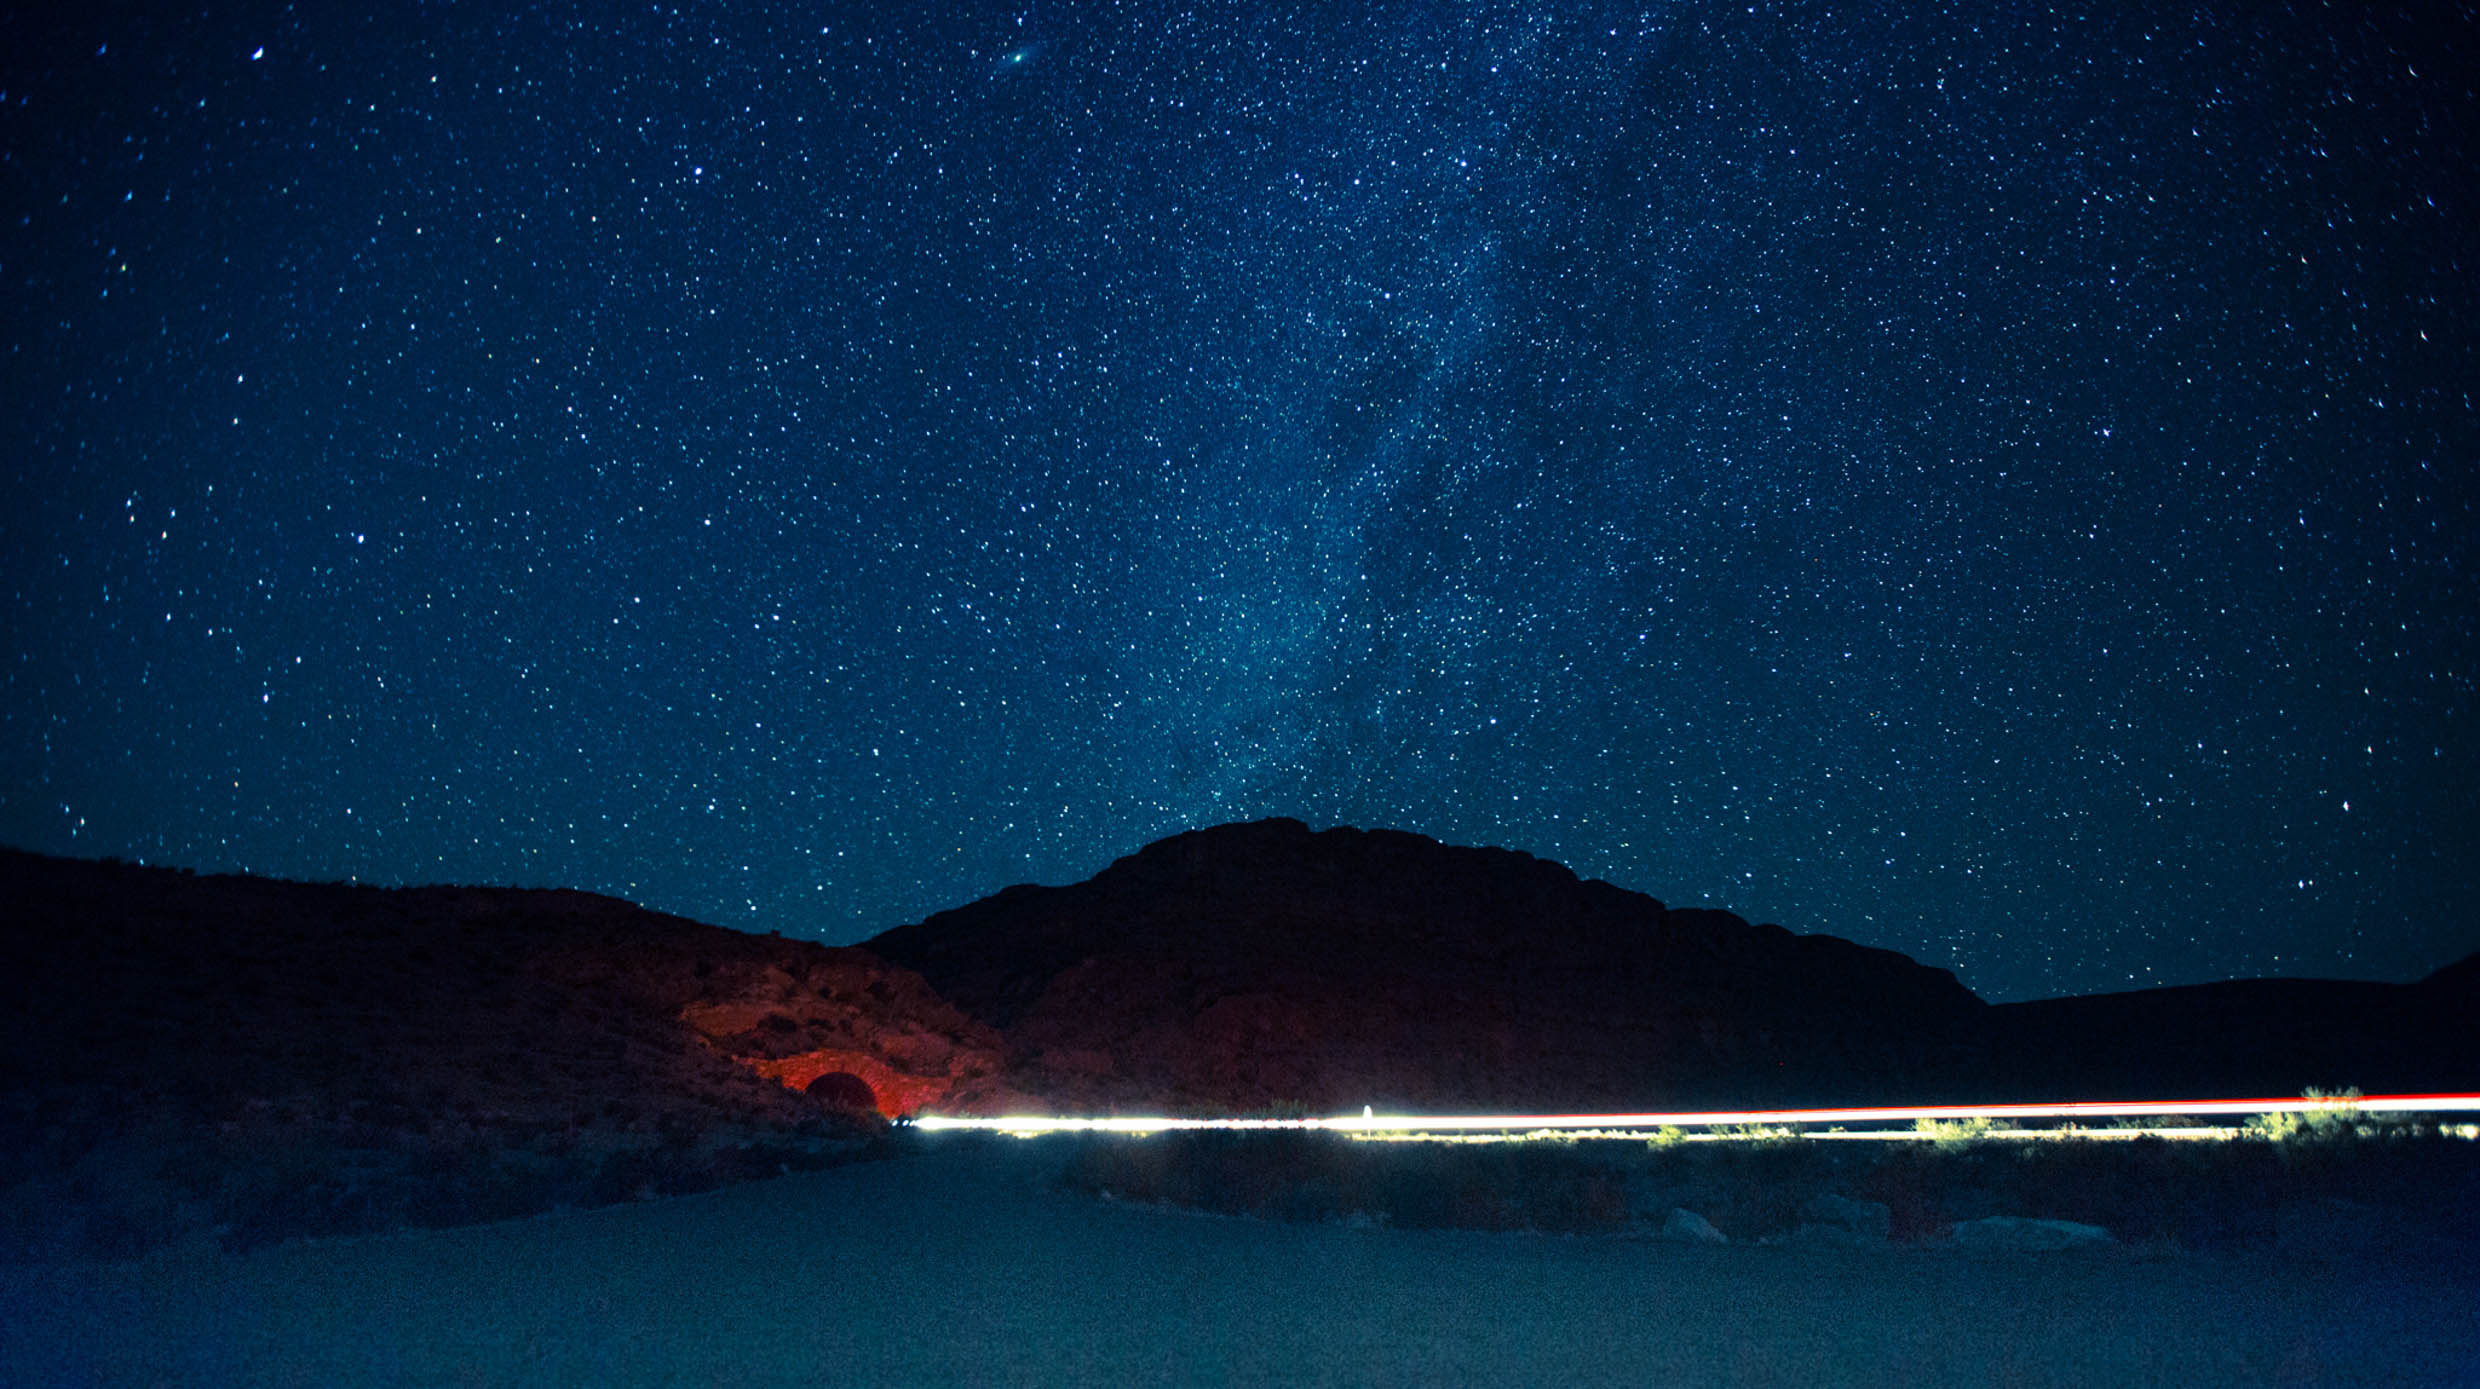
(1955,1135)
(1759,1134)
(2337,1119)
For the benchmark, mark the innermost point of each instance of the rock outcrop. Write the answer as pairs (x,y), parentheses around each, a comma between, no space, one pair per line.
(265,1059)
(547,1004)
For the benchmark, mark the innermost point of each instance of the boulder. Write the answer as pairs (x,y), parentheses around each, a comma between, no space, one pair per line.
(842,1090)
(1687,1227)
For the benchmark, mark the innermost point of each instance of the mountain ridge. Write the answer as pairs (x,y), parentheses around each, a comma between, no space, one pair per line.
(1267,965)
(261,1059)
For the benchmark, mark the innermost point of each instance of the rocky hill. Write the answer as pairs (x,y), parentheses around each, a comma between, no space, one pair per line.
(257,1059)
(267,1058)
(1265,966)
(2243,1038)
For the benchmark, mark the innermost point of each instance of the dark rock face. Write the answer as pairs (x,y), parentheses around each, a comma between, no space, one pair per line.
(2456,985)
(1263,965)
(266,1059)
(2243,1038)
(842,1090)
(552,1004)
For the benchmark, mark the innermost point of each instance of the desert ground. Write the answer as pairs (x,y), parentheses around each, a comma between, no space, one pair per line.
(963,1263)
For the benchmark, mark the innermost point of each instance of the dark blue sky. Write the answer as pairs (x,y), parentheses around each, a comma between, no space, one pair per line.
(1994,483)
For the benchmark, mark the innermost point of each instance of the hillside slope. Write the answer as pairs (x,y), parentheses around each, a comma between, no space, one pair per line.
(1264,965)
(266,1057)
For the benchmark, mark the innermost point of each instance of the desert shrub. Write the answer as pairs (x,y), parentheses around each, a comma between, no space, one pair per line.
(2278,1127)
(1764,1135)
(1953,1135)
(2338,1119)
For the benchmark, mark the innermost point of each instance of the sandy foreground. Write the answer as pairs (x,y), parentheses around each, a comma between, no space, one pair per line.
(961,1266)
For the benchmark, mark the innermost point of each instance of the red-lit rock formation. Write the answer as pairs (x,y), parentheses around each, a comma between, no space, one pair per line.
(275,1058)
(849,1012)
(547,1004)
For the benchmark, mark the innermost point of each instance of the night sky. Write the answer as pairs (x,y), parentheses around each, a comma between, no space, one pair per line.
(1994,484)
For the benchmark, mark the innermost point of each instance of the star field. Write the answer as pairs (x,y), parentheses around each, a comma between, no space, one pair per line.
(1993,482)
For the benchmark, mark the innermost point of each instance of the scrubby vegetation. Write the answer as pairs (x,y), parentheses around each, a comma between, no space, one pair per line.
(2338,1119)
(2348,1190)
(1955,1135)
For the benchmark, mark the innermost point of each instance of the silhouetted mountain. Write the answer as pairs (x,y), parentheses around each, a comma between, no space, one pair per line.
(2245,1038)
(2456,983)
(1264,965)
(274,1057)
(263,1058)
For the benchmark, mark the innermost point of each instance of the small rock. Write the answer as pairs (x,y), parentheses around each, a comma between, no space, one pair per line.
(2018,1232)
(1687,1227)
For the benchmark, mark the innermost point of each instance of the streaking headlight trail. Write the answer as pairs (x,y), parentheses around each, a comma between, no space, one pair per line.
(1368,1121)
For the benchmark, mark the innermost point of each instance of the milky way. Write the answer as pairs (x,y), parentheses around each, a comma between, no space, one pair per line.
(1992,485)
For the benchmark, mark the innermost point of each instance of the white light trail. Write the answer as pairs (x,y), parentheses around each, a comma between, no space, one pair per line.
(1368,1122)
